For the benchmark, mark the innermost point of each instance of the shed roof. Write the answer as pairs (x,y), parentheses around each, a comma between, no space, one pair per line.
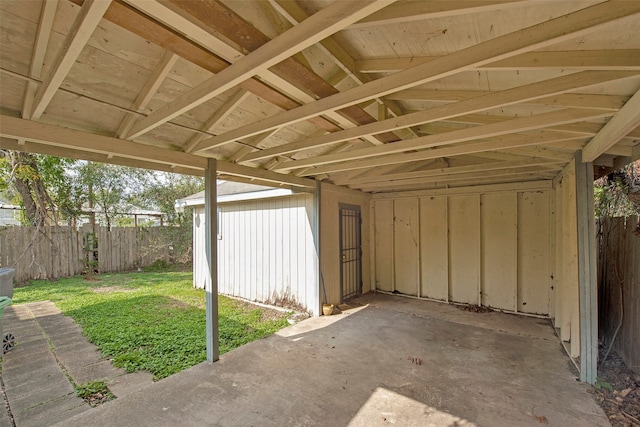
(375,95)
(229,191)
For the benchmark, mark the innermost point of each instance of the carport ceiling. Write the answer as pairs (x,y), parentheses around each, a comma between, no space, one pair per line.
(375,95)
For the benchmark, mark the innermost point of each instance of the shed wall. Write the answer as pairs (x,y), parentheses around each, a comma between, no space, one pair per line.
(331,198)
(488,247)
(266,251)
(566,307)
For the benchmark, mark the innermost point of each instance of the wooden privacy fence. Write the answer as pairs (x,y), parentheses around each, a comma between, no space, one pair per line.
(619,286)
(55,252)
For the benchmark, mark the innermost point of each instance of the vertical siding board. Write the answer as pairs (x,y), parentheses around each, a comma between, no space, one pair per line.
(533,252)
(498,251)
(434,254)
(405,241)
(384,250)
(464,242)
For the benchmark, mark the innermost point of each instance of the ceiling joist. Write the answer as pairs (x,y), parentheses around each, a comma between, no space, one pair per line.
(531,38)
(621,59)
(443,112)
(322,24)
(85,23)
(626,120)
(92,144)
(462,135)
(43,34)
(414,10)
(493,144)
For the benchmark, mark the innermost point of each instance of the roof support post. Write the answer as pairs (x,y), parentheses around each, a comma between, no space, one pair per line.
(211,248)
(317,209)
(587,262)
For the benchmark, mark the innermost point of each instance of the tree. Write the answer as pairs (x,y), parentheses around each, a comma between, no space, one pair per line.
(161,194)
(108,187)
(36,182)
(618,193)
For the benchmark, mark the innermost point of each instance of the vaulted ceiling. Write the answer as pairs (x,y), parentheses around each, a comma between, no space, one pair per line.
(375,95)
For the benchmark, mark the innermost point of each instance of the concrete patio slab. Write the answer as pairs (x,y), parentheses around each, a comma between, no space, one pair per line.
(392,361)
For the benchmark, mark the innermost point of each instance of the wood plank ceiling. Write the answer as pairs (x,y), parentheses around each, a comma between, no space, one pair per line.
(375,95)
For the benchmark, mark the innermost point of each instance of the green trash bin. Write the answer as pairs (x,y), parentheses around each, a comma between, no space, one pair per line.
(8,340)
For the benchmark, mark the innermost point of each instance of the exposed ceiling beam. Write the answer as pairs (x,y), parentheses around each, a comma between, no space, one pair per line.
(485,131)
(289,76)
(137,23)
(463,176)
(149,89)
(81,30)
(626,120)
(442,112)
(531,38)
(517,174)
(574,145)
(84,142)
(543,152)
(574,100)
(72,153)
(621,59)
(493,144)
(43,33)
(419,9)
(322,24)
(238,96)
(295,14)
(473,189)
(439,172)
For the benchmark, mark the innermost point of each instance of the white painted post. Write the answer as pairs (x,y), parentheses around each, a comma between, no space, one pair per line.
(317,207)
(211,249)
(587,266)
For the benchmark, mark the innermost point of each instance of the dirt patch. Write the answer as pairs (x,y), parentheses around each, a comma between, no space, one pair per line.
(267,313)
(174,303)
(474,308)
(617,391)
(109,289)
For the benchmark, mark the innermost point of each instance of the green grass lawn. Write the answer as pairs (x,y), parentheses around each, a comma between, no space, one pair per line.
(153,321)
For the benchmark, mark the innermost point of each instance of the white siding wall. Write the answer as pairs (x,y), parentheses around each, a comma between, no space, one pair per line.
(491,248)
(266,251)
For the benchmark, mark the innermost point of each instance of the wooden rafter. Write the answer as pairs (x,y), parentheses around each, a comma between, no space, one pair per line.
(289,76)
(485,131)
(221,113)
(45,24)
(85,23)
(527,39)
(418,9)
(519,174)
(574,100)
(626,120)
(498,143)
(446,111)
(320,25)
(434,173)
(150,88)
(622,59)
(84,142)
(295,14)
(137,23)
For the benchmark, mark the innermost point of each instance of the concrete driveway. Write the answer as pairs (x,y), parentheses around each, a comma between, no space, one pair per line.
(392,361)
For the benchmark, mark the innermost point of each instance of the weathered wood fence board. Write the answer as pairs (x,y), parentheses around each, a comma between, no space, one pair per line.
(619,275)
(56,252)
